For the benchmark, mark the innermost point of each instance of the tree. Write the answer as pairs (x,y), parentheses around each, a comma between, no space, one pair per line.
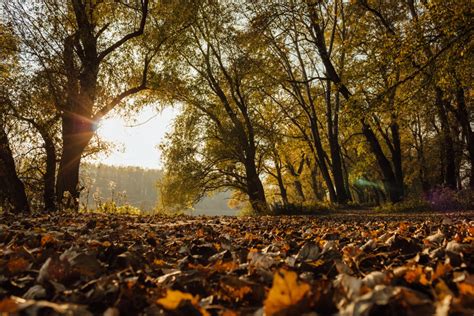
(217,82)
(12,189)
(285,30)
(85,48)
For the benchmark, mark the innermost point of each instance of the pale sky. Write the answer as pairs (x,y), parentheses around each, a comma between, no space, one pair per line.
(136,138)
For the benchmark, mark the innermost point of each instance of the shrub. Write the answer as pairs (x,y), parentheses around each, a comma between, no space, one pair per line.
(446,199)
(438,199)
(111,208)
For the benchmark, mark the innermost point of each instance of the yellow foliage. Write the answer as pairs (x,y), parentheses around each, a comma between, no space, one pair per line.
(466,289)
(285,292)
(173,299)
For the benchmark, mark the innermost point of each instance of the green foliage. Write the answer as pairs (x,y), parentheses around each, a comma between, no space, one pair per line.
(109,207)
(283,103)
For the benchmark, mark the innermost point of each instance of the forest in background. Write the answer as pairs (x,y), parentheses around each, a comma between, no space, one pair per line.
(284,103)
(136,187)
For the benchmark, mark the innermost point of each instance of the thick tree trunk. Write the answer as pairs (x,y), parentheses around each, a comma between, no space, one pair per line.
(397,156)
(462,115)
(322,162)
(450,175)
(255,189)
(342,196)
(314,179)
(391,184)
(77,132)
(11,187)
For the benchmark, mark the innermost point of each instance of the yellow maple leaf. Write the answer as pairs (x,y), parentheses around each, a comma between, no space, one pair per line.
(285,292)
(466,289)
(173,299)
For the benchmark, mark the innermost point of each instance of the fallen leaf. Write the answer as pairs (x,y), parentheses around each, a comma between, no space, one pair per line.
(174,299)
(286,292)
(17,265)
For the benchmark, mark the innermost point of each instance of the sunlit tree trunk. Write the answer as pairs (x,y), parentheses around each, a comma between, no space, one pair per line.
(255,189)
(82,61)
(295,173)
(76,135)
(391,184)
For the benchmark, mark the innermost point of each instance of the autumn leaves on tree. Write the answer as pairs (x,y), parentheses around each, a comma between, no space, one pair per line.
(282,102)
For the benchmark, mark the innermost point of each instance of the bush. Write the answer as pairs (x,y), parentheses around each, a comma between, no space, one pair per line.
(439,199)
(446,199)
(111,208)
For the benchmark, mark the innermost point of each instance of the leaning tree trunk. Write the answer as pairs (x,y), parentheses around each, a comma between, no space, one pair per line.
(391,184)
(11,187)
(322,162)
(397,156)
(342,195)
(76,134)
(255,189)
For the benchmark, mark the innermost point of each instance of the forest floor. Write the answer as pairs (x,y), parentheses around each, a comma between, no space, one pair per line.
(348,263)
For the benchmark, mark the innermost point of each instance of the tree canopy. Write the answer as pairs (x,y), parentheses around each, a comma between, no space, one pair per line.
(282,102)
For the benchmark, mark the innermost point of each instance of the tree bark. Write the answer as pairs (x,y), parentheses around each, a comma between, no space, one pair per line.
(255,189)
(322,161)
(11,187)
(296,178)
(49,178)
(450,176)
(391,184)
(342,195)
(76,134)
(281,184)
(462,115)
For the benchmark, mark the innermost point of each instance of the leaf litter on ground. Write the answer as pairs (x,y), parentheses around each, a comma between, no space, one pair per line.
(342,264)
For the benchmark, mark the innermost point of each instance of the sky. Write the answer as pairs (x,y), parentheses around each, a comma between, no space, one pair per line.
(136,139)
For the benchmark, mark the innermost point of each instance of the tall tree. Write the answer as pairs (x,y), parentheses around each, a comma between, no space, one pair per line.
(95,55)
(219,82)
(12,189)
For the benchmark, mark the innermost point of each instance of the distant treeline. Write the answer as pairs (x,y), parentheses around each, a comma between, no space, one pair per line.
(134,186)
(125,185)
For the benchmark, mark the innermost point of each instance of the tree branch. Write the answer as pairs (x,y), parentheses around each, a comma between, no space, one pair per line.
(119,98)
(129,36)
